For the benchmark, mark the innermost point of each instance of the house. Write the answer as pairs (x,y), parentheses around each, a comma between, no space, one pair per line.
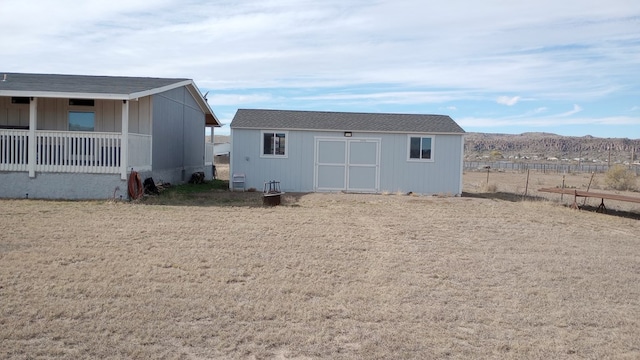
(79,137)
(309,151)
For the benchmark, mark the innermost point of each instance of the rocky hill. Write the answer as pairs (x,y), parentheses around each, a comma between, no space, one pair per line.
(542,146)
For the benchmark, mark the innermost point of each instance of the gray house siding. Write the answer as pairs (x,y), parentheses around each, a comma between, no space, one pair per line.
(178,130)
(297,172)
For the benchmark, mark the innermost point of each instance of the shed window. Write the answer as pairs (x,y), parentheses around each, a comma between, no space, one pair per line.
(274,143)
(421,148)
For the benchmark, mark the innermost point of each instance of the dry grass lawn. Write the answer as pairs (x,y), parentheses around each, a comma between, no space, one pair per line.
(331,276)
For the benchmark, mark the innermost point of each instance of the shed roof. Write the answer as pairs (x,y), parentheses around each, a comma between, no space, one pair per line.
(344,121)
(97,87)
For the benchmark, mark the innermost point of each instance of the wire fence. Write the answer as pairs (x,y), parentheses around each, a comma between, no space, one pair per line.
(557,168)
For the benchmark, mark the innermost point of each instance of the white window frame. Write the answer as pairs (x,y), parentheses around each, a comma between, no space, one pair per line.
(286,144)
(421,136)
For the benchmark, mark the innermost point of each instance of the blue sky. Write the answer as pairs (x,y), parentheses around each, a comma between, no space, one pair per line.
(560,66)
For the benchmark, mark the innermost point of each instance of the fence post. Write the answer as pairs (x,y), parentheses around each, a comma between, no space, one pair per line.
(526,187)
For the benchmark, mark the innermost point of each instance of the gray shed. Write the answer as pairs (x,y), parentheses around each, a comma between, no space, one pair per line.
(309,151)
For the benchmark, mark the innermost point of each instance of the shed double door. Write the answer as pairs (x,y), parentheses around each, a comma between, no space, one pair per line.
(347,164)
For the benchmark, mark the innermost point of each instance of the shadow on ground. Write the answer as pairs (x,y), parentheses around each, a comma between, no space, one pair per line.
(613,212)
(207,194)
(505,196)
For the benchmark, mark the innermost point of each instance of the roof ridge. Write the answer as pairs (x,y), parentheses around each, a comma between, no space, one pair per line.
(345,112)
(95,76)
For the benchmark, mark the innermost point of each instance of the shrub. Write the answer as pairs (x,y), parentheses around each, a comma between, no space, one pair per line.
(620,178)
(495,154)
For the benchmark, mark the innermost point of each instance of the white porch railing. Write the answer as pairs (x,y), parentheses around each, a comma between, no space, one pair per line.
(13,150)
(87,152)
(208,154)
(73,151)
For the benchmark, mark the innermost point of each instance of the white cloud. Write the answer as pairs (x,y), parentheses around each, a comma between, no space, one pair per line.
(392,53)
(396,97)
(280,44)
(238,99)
(576,109)
(509,101)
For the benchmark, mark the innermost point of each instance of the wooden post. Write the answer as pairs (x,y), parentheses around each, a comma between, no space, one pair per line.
(588,187)
(562,195)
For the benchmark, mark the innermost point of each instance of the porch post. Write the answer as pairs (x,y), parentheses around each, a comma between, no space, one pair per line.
(33,123)
(213,154)
(124,145)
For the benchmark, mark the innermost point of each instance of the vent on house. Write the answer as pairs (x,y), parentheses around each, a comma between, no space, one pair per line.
(20,100)
(81,102)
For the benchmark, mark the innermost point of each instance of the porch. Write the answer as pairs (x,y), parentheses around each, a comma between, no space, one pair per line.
(73,152)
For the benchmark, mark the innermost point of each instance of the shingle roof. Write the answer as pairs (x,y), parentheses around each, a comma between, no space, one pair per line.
(97,87)
(344,121)
(54,83)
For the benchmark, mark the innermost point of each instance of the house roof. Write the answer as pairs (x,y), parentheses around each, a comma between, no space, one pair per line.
(344,121)
(97,87)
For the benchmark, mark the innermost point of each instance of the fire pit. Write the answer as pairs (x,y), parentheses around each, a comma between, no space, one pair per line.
(271,195)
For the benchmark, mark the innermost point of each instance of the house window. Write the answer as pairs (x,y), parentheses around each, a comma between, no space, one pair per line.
(274,144)
(81,121)
(20,100)
(81,102)
(421,148)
